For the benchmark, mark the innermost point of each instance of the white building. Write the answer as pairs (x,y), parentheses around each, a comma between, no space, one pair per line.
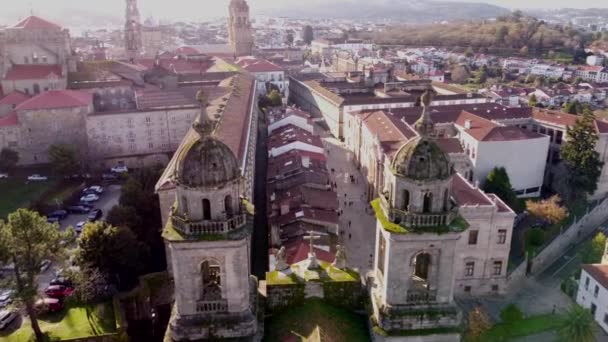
(595,60)
(593,292)
(267,73)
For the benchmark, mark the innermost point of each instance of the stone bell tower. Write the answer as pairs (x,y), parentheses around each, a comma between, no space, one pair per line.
(239,28)
(416,238)
(208,238)
(133,40)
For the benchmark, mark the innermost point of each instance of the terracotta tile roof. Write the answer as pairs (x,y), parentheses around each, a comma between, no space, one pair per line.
(36,23)
(298,251)
(466,195)
(510,133)
(391,132)
(258,65)
(186,50)
(9,120)
(290,163)
(450,145)
(177,65)
(152,97)
(299,196)
(32,71)
(54,99)
(14,98)
(289,134)
(310,215)
(502,207)
(599,272)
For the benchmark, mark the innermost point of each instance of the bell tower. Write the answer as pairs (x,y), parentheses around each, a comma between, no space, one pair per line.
(208,239)
(133,40)
(239,28)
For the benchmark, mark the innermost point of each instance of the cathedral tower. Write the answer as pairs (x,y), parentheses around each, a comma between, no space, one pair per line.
(133,40)
(208,239)
(239,27)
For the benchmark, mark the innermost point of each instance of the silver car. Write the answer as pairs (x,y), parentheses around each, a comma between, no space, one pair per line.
(6,317)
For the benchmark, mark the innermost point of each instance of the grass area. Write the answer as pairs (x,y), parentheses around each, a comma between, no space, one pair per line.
(17,194)
(75,321)
(63,194)
(316,321)
(525,327)
(298,275)
(458,224)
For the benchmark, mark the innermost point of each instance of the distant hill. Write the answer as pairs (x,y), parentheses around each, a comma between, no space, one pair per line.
(411,11)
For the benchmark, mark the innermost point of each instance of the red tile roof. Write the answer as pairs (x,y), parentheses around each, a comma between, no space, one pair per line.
(32,72)
(177,65)
(258,65)
(36,23)
(14,98)
(9,120)
(289,134)
(466,195)
(186,50)
(450,145)
(298,251)
(54,99)
(599,272)
(391,132)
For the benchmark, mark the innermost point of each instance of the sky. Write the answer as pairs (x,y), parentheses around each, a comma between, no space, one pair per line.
(205,9)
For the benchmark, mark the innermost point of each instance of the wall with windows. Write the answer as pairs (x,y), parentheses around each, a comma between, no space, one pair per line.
(593,296)
(35,86)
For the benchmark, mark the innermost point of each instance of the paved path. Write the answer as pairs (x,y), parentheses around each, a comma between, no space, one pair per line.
(356,220)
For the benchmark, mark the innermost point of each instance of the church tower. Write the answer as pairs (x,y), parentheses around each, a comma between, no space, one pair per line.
(208,239)
(416,238)
(133,40)
(239,27)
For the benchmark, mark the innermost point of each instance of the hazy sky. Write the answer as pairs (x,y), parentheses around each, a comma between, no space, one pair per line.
(202,9)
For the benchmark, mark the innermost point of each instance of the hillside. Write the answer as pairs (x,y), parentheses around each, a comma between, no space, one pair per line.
(514,33)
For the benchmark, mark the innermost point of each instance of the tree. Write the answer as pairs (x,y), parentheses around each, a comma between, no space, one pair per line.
(113,251)
(307,34)
(549,210)
(64,159)
(90,285)
(275,98)
(479,323)
(577,324)
(572,107)
(469,52)
(498,183)
(533,101)
(581,160)
(26,239)
(511,314)
(8,159)
(594,249)
(501,34)
(121,216)
(482,77)
(460,74)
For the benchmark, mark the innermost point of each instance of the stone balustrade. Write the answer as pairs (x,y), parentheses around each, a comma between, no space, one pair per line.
(207,227)
(421,296)
(413,220)
(212,306)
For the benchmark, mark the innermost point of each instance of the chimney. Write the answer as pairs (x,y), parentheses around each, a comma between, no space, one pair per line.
(306,161)
(467,124)
(476,184)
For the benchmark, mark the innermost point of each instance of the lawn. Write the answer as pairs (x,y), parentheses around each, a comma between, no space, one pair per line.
(316,321)
(74,321)
(63,194)
(525,327)
(17,194)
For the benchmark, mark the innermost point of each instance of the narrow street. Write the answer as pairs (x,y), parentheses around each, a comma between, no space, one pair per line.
(259,242)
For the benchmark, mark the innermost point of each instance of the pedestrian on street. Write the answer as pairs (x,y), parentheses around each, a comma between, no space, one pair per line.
(348,223)
(350,236)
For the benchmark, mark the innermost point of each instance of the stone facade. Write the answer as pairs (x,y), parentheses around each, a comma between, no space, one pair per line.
(133,39)
(239,27)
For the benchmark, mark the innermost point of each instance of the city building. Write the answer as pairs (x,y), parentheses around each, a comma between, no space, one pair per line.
(593,292)
(268,74)
(240,30)
(133,37)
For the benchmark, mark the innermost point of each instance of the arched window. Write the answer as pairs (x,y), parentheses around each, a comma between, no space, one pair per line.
(36,88)
(422,264)
(211,281)
(406,200)
(185,205)
(427,205)
(206,209)
(446,200)
(228,205)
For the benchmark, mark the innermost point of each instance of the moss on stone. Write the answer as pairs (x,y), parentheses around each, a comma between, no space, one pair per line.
(298,275)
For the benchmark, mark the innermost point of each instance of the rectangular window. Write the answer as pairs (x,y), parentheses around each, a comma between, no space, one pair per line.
(606,318)
(502,236)
(494,288)
(593,309)
(497,269)
(469,269)
(148,119)
(587,283)
(473,237)
(596,291)
(558,137)
(467,289)
(150,145)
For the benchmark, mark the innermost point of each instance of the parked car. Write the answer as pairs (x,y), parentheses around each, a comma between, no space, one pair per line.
(6,298)
(44,265)
(37,177)
(119,169)
(61,214)
(58,291)
(6,318)
(95,215)
(67,282)
(79,227)
(3,175)
(89,198)
(46,305)
(79,209)
(94,189)
(109,176)
(53,219)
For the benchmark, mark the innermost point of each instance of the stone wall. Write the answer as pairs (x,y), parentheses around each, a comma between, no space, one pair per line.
(346,294)
(281,296)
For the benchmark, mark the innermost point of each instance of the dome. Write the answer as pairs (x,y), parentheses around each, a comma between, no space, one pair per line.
(207,162)
(421,159)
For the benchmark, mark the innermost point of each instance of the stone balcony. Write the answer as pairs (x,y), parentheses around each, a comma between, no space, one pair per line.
(416,220)
(189,227)
(421,296)
(203,307)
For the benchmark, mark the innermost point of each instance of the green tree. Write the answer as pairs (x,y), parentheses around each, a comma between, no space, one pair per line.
(90,285)
(482,77)
(8,159)
(460,74)
(498,183)
(307,34)
(120,216)
(275,98)
(577,324)
(469,52)
(581,160)
(26,239)
(594,249)
(571,107)
(533,101)
(113,251)
(64,159)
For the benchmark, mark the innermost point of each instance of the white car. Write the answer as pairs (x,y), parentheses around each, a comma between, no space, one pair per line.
(89,198)
(3,175)
(5,298)
(6,317)
(37,178)
(94,188)
(119,169)
(44,265)
(80,226)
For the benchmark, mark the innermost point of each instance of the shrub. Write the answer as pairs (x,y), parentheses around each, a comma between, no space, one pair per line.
(535,237)
(511,314)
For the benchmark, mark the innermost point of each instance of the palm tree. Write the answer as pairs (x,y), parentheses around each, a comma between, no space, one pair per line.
(577,325)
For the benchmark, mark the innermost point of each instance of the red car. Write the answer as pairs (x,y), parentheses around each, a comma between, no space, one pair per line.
(45,305)
(58,291)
